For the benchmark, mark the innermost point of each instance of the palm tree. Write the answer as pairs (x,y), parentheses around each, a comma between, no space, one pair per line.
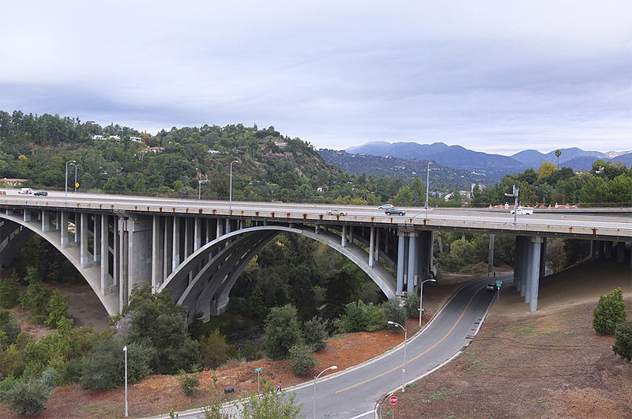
(558,153)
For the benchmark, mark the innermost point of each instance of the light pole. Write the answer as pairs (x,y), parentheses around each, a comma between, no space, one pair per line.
(333,367)
(73,162)
(421,296)
(125,351)
(200,182)
(427,187)
(76,177)
(404,366)
(230,203)
(516,192)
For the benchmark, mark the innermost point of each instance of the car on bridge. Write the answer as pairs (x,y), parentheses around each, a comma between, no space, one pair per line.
(523,211)
(492,287)
(393,210)
(385,206)
(336,212)
(41,193)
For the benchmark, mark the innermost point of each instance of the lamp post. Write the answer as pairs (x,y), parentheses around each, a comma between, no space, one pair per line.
(66,189)
(404,366)
(76,177)
(200,182)
(427,187)
(516,192)
(333,367)
(230,203)
(421,295)
(125,351)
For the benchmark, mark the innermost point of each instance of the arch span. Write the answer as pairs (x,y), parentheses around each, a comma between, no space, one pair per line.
(224,259)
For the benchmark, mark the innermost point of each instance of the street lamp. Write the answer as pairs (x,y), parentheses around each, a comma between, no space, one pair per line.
(76,177)
(515,194)
(427,187)
(125,350)
(421,295)
(200,182)
(333,367)
(230,204)
(73,162)
(404,366)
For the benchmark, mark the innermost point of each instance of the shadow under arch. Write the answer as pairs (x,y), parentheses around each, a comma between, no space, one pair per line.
(90,272)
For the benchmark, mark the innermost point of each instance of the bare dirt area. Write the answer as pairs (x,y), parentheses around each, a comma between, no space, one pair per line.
(548,364)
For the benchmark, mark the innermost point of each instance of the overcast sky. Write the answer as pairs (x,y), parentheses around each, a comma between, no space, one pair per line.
(496,76)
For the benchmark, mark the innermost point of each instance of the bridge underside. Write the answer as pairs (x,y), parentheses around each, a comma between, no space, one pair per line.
(198,259)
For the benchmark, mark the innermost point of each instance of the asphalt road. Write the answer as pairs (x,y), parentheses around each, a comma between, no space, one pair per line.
(353,393)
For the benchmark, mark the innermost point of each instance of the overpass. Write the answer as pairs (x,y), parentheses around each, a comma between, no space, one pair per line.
(197,249)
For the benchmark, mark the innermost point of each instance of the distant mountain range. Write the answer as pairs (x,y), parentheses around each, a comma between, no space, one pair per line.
(493,166)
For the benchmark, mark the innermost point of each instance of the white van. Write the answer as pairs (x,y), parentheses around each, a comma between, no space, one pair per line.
(26,191)
(524,211)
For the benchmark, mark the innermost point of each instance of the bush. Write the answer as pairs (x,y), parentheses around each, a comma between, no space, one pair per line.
(315,333)
(356,318)
(411,305)
(282,331)
(36,301)
(394,312)
(27,398)
(623,340)
(215,350)
(9,327)
(609,312)
(270,404)
(57,309)
(301,360)
(190,384)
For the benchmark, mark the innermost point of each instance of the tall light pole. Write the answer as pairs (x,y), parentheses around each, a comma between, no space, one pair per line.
(66,189)
(516,192)
(427,187)
(200,182)
(333,367)
(76,177)
(125,351)
(404,366)
(421,296)
(230,203)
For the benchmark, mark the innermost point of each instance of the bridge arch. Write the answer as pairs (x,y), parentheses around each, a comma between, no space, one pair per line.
(224,258)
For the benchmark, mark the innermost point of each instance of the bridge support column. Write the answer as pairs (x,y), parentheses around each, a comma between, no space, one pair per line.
(123,262)
(45,221)
(412,262)
(197,234)
(167,247)
(64,229)
(608,250)
(425,245)
(175,261)
(96,238)
(620,252)
(536,247)
(140,250)
(157,239)
(105,253)
(371,246)
(85,256)
(78,227)
(377,244)
(401,256)
(350,234)
(543,258)
(343,241)
(490,255)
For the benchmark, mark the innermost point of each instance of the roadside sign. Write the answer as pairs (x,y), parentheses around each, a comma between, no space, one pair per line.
(393,399)
(259,369)
(499,283)
(77,185)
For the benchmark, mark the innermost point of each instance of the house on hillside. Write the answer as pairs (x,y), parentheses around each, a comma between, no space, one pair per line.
(12,183)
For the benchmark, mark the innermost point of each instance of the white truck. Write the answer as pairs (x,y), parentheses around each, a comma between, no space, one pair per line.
(523,211)
(25,191)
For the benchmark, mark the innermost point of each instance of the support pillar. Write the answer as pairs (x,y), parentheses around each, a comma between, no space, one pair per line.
(85,256)
(45,221)
(412,262)
(535,269)
(371,246)
(175,262)
(401,255)
(64,229)
(157,249)
(96,238)
(343,242)
(105,253)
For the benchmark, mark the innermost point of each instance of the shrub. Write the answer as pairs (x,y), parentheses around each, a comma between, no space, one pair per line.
(282,331)
(315,333)
(215,350)
(9,327)
(411,305)
(190,384)
(301,360)
(356,318)
(57,309)
(394,312)
(27,398)
(623,340)
(36,300)
(271,404)
(609,312)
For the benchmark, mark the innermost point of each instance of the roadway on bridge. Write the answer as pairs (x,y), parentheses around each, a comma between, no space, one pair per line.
(617,220)
(353,393)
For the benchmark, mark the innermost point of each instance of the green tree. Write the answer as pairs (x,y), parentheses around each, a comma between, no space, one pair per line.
(27,398)
(271,405)
(609,312)
(282,331)
(394,312)
(215,350)
(57,308)
(315,333)
(190,384)
(103,369)
(9,291)
(558,153)
(301,360)
(35,299)
(623,340)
